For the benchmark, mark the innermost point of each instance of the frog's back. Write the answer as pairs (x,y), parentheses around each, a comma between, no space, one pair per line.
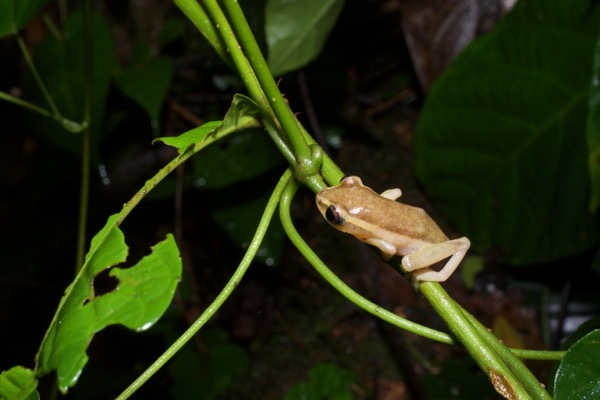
(400,218)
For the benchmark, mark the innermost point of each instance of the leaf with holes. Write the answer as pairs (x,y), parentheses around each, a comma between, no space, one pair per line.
(143,293)
(242,114)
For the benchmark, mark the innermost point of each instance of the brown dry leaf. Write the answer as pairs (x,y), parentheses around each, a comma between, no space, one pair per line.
(437,30)
(507,333)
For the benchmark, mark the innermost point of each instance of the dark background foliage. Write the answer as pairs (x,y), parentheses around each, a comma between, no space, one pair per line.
(521,194)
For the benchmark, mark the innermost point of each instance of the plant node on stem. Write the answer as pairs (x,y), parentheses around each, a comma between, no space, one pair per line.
(308,170)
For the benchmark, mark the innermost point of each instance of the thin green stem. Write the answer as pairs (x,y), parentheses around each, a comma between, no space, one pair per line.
(339,285)
(69,125)
(83,199)
(52,28)
(25,104)
(227,290)
(54,113)
(85,142)
(543,355)
(37,78)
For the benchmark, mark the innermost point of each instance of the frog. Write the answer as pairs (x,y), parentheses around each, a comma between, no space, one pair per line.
(395,228)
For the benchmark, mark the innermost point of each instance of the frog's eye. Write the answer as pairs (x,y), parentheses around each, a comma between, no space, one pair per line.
(333,216)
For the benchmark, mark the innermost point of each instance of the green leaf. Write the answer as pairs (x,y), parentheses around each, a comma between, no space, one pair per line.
(296,31)
(188,139)
(18,383)
(143,293)
(146,82)
(501,143)
(593,131)
(242,114)
(578,374)
(237,158)
(17,13)
(326,381)
(60,64)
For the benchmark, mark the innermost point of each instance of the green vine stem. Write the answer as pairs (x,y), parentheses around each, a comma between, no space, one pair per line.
(25,104)
(67,124)
(541,355)
(194,11)
(227,290)
(37,77)
(273,106)
(258,80)
(171,166)
(261,69)
(54,113)
(485,355)
(234,49)
(85,139)
(528,380)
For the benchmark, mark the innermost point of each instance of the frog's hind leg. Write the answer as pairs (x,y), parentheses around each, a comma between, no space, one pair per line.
(426,256)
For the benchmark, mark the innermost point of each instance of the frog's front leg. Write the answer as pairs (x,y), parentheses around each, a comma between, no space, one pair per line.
(388,250)
(428,255)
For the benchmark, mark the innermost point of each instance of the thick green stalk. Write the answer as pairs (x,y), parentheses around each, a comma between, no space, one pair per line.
(194,11)
(263,89)
(259,82)
(234,48)
(529,381)
(234,281)
(487,359)
(261,69)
